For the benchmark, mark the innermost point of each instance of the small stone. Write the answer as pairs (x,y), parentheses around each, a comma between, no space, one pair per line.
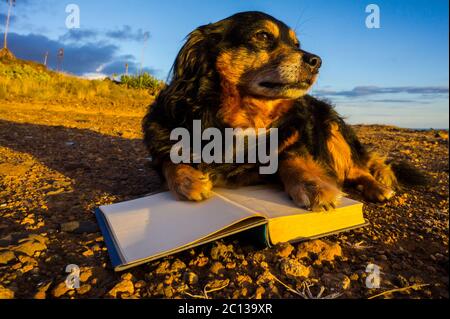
(217,268)
(259,292)
(221,251)
(42,291)
(125,286)
(16,266)
(264,278)
(178,266)
(29,247)
(163,268)
(293,268)
(127,276)
(86,274)
(168,291)
(88,253)
(79,227)
(244,279)
(200,261)
(6,256)
(84,289)
(6,293)
(336,281)
(284,250)
(190,277)
(60,290)
(401,281)
(140,284)
(324,250)
(217,283)
(230,265)
(27,267)
(40,238)
(346,282)
(264,265)
(354,277)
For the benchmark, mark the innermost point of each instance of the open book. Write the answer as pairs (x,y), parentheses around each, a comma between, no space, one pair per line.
(148,228)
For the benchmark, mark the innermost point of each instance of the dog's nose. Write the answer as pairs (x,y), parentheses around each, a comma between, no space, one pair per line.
(313,61)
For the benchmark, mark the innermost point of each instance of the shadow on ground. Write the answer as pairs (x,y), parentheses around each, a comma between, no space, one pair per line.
(93,161)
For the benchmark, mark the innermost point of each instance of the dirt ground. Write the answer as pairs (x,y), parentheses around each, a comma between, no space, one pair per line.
(58,162)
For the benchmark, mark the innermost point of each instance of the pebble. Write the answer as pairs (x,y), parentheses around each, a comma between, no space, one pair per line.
(124,286)
(6,293)
(178,266)
(85,274)
(42,291)
(88,253)
(200,261)
(339,281)
(221,251)
(293,268)
(29,247)
(79,227)
(354,277)
(325,251)
(190,277)
(60,290)
(6,256)
(401,281)
(231,265)
(127,276)
(217,268)
(84,289)
(140,284)
(259,292)
(284,250)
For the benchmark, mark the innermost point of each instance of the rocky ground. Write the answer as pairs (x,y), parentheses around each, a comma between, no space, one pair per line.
(59,162)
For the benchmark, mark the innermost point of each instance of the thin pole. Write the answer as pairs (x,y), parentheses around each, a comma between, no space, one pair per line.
(7,25)
(45,58)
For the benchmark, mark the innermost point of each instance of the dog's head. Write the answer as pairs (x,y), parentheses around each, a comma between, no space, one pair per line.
(252,51)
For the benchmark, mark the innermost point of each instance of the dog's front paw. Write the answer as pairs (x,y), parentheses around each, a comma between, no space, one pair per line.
(317,195)
(376,192)
(189,183)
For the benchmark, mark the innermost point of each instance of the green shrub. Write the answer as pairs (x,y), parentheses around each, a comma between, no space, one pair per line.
(142,81)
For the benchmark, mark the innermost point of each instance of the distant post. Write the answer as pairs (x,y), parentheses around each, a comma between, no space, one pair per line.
(11,4)
(126,69)
(45,58)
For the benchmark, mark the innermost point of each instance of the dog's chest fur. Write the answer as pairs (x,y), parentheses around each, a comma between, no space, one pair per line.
(247,111)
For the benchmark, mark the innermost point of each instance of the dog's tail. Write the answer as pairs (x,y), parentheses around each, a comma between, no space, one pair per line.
(409,175)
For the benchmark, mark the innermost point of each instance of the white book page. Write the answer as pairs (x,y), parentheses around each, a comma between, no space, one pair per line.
(159,223)
(269,200)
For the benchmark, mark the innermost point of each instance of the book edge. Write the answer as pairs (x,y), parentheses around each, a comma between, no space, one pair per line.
(330,233)
(113,252)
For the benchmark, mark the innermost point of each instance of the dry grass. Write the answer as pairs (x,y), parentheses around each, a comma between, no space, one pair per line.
(24,80)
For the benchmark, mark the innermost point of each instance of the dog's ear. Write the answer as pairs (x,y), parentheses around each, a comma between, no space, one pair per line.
(193,74)
(197,54)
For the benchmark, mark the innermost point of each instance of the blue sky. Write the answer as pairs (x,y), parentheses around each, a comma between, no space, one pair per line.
(397,74)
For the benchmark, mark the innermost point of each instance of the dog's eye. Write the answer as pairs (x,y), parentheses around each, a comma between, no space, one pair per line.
(263,36)
(297,44)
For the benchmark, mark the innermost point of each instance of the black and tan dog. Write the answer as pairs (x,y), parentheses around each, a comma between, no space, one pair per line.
(249,71)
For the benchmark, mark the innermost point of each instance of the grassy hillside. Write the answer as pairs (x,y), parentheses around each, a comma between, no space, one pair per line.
(25,80)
